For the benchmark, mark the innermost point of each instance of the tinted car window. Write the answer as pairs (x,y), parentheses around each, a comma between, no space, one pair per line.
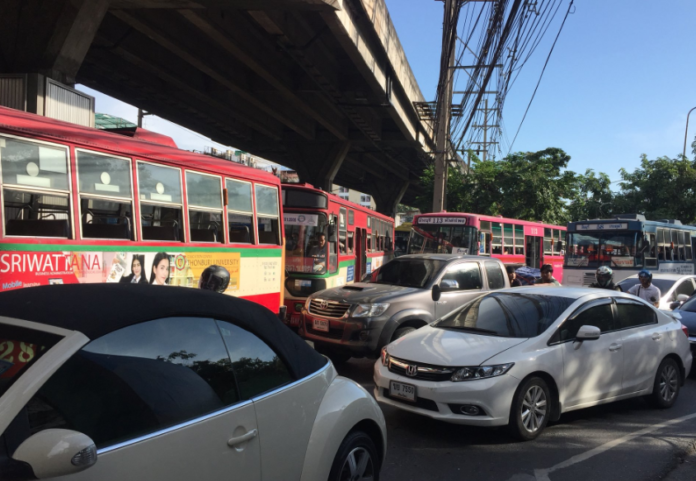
(598,316)
(462,277)
(632,314)
(496,280)
(19,349)
(409,272)
(257,367)
(138,380)
(663,284)
(689,305)
(507,314)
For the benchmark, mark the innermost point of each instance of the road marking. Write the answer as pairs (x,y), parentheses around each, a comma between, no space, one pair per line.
(543,474)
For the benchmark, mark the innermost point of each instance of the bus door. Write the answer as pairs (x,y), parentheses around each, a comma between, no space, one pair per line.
(360,254)
(534,253)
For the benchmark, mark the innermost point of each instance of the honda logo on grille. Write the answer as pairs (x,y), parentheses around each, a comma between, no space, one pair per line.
(323,304)
(411,370)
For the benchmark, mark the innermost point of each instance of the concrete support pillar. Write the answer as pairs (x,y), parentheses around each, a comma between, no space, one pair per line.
(319,163)
(33,42)
(388,194)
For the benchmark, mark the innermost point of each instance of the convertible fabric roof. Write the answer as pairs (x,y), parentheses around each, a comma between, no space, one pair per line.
(98,309)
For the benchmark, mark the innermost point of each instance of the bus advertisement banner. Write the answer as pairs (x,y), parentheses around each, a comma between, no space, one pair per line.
(27,269)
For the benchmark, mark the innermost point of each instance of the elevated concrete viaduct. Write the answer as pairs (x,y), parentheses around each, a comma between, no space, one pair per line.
(321,86)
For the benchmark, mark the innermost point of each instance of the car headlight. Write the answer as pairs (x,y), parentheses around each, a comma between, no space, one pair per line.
(385,356)
(369,310)
(480,372)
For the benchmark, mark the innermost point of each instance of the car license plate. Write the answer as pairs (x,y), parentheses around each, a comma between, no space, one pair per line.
(295,320)
(321,325)
(403,391)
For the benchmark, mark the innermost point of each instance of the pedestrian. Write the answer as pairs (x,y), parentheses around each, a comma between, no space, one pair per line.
(214,278)
(646,290)
(547,276)
(514,281)
(604,279)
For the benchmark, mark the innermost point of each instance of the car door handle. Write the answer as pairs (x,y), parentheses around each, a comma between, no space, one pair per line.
(442,302)
(657,336)
(615,347)
(237,440)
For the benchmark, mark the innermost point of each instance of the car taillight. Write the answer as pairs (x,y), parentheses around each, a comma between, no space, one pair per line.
(685,330)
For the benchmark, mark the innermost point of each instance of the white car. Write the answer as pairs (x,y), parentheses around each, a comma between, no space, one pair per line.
(135,382)
(521,357)
(671,286)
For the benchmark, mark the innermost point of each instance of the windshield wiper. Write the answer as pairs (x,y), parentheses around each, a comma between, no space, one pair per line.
(471,329)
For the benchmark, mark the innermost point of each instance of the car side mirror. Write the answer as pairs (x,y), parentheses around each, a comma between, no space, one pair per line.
(57,452)
(674,305)
(437,293)
(588,333)
(682,298)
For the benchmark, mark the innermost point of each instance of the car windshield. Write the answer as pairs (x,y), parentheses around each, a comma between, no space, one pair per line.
(307,246)
(663,284)
(19,349)
(443,239)
(507,314)
(615,249)
(409,272)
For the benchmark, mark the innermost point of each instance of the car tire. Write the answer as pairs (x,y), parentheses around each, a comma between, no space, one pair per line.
(667,384)
(531,409)
(401,332)
(356,459)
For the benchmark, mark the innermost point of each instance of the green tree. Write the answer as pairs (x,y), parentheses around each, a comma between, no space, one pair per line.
(592,197)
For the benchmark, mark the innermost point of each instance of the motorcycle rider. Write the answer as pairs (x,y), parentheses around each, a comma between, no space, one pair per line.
(605,279)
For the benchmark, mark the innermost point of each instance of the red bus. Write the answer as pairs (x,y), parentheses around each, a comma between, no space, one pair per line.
(329,242)
(516,242)
(81,205)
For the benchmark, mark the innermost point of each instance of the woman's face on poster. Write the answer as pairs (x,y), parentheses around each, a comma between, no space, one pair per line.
(161,271)
(137,268)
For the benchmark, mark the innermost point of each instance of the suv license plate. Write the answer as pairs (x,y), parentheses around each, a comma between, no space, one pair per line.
(403,391)
(321,325)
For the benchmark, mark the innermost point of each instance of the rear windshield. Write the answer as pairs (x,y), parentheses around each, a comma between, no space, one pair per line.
(409,272)
(19,349)
(507,315)
(663,284)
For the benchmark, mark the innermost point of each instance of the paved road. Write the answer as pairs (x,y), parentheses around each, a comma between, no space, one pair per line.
(627,440)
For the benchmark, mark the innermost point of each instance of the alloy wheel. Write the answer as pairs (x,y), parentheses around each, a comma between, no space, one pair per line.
(534,407)
(668,383)
(358,466)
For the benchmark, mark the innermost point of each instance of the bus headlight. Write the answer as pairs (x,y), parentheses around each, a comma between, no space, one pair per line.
(369,310)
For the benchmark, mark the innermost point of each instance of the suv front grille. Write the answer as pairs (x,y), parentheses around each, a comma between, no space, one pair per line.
(331,309)
(424,372)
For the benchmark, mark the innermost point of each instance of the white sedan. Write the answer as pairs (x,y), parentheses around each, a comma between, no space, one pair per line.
(113,382)
(522,357)
(671,287)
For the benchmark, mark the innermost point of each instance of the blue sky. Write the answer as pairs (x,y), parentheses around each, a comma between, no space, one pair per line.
(619,84)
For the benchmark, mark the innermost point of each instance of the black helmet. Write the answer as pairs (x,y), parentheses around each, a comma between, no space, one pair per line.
(214,278)
(604,276)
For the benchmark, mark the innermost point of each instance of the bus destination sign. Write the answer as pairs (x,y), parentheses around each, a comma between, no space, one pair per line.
(615,226)
(442,220)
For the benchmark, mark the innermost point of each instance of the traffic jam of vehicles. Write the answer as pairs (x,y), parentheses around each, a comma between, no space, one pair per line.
(111,350)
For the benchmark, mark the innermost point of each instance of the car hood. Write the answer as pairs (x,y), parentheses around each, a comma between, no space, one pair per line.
(362,293)
(447,347)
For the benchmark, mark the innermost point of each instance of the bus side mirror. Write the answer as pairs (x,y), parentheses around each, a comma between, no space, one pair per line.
(437,292)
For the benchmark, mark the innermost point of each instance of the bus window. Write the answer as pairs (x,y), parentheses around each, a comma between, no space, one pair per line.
(687,245)
(682,247)
(558,242)
(36,189)
(519,240)
(350,242)
(240,213)
(106,198)
(508,243)
(661,247)
(497,244)
(204,195)
(161,207)
(267,214)
(342,231)
(548,240)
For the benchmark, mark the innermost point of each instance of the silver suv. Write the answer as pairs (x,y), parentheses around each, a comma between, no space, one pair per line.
(357,320)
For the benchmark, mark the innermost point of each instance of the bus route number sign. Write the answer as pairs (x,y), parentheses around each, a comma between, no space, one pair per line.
(442,220)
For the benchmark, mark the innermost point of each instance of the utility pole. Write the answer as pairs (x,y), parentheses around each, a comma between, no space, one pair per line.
(484,145)
(141,114)
(443,112)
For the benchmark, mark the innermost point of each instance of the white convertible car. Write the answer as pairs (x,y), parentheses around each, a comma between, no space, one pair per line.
(122,382)
(521,357)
